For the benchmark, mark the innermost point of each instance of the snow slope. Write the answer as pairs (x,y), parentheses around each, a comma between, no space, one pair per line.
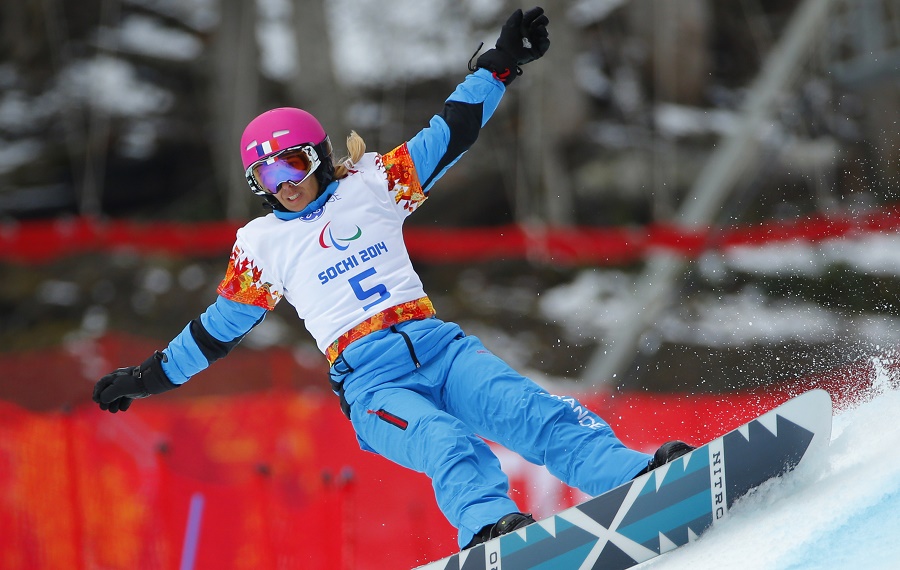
(841,510)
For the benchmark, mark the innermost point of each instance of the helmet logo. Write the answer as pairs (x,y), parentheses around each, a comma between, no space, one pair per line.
(269,146)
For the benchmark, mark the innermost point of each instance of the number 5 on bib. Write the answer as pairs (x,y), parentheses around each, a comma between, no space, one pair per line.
(365,294)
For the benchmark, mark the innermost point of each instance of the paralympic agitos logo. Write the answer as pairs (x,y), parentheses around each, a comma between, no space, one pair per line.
(327,239)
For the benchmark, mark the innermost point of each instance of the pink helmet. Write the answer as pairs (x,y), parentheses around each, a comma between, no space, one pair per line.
(283,128)
(279,129)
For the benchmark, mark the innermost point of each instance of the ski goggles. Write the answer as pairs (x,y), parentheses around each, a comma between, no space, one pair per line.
(294,164)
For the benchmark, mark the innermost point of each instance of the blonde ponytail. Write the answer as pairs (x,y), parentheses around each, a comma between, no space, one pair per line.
(356,147)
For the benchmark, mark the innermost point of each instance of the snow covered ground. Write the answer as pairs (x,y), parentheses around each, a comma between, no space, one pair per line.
(598,301)
(841,510)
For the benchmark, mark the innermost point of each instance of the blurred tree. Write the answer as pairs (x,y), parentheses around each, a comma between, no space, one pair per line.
(234,95)
(676,70)
(98,130)
(23,34)
(553,110)
(314,86)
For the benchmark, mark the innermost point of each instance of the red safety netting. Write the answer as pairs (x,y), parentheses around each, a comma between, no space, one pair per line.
(46,240)
(275,479)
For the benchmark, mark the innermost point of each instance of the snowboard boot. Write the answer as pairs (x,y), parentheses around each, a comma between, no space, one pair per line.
(666,452)
(509,523)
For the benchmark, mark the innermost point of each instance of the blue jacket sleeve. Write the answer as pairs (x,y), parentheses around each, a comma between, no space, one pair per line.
(208,338)
(450,134)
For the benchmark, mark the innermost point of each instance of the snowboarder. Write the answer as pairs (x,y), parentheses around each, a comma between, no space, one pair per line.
(417,389)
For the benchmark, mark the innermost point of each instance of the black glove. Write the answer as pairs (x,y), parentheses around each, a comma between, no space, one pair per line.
(523,39)
(116,390)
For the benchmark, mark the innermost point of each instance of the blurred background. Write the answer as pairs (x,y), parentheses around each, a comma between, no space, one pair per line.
(681,200)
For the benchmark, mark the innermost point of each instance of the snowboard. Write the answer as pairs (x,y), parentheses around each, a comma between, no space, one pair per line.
(666,508)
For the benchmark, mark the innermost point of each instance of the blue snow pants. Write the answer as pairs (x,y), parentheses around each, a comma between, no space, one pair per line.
(430,419)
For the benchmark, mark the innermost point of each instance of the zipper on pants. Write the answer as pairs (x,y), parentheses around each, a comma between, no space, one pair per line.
(409,344)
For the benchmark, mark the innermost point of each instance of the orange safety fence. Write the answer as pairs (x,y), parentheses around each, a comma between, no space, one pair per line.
(274,479)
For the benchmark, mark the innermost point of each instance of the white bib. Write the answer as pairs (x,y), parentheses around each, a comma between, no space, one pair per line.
(341,264)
